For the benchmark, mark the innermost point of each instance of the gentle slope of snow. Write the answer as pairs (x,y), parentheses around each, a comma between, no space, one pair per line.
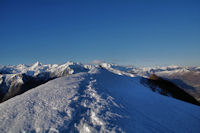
(97,101)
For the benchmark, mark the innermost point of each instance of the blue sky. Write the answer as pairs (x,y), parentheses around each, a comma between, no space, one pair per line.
(136,32)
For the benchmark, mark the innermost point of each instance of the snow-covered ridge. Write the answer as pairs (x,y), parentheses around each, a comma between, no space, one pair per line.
(97,101)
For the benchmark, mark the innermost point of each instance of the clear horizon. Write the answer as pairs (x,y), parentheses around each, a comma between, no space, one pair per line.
(139,33)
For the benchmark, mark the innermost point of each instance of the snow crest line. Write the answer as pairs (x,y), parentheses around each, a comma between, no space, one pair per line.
(92,110)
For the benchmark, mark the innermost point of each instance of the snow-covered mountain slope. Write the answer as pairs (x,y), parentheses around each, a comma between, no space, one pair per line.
(97,101)
(187,78)
(15,80)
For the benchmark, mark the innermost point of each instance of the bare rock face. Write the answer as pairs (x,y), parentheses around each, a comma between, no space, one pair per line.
(154,77)
(167,88)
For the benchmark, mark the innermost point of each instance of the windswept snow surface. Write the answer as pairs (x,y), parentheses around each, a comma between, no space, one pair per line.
(97,101)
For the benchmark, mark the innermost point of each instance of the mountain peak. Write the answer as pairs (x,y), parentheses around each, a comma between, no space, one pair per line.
(36,64)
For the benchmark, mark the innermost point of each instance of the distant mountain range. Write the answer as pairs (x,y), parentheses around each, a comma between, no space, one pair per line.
(15,80)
